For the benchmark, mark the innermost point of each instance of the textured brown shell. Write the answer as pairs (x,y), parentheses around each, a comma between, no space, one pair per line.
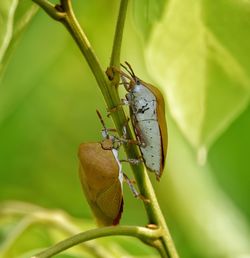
(99,173)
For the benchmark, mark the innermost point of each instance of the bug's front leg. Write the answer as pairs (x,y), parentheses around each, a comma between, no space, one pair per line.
(123,102)
(113,75)
(128,85)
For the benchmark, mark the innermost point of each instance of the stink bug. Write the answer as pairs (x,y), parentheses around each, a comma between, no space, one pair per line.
(102,177)
(147,112)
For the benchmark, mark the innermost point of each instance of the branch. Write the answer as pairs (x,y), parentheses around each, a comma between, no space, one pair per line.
(50,9)
(116,51)
(144,234)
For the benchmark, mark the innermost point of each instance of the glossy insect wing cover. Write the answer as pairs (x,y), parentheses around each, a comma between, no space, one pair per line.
(100,178)
(147,110)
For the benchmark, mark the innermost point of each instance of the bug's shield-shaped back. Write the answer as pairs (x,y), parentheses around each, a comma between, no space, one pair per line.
(99,174)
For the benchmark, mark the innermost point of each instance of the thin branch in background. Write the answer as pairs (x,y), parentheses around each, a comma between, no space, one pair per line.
(14,235)
(50,9)
(34,215)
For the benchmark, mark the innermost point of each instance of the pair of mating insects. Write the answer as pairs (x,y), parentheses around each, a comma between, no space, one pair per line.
(100,169)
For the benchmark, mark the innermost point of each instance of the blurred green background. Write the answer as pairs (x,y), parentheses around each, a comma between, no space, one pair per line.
(196,52)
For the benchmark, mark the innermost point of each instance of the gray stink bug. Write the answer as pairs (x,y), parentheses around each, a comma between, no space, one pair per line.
(147,112)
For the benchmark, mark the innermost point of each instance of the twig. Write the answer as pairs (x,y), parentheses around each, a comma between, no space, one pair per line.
(116,51)
(142,233)
(50,9)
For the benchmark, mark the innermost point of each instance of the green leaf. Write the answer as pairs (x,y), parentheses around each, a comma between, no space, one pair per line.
(199,54)
(193,198)
(14,17)
(146,14)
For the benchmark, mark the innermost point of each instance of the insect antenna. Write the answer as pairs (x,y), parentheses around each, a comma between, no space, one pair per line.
(128,69)
(105,130)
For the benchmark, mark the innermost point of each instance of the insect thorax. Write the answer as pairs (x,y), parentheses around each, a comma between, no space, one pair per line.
(142,102)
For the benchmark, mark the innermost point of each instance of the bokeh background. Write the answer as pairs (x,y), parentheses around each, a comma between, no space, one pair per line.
(197,53)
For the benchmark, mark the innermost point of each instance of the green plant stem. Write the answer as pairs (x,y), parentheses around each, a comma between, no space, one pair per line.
(144,184)
(80,38)
(112,99)
(116,51)
(50,9)
(142,233)
(109,92)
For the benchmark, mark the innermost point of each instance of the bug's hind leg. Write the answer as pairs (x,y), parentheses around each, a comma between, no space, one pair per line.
(134,191)
(133,161)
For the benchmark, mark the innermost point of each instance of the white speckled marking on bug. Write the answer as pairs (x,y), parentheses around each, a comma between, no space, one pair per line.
(144,116)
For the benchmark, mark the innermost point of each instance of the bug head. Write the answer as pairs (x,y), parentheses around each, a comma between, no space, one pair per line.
(110,141)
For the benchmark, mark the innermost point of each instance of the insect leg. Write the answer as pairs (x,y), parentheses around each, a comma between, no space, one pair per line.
(132,161)
(139,134)
(134,191)
(119,105)
(110,72)
(125,135)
